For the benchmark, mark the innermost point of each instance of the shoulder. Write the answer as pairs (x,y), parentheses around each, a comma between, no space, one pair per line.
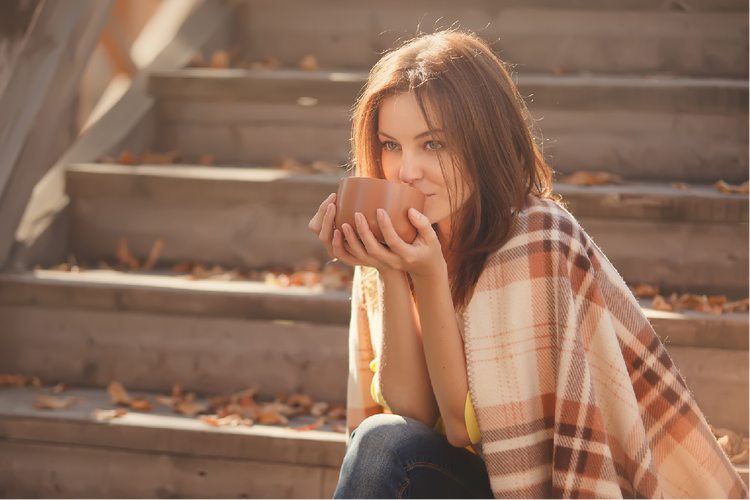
(544,241)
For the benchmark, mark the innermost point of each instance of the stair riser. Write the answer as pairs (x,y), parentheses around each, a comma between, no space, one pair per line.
(718,379)
(683,257)
(345,35)
(151,352)
(36,470)
(636,144)
(248,235)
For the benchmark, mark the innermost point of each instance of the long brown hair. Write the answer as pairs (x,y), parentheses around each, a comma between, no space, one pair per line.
(487,129)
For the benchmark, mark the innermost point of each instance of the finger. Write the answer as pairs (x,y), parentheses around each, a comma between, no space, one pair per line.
(341,252)
(355,246)
(372,245)
(316,222)
(422,224)
(392,239)
(326,231)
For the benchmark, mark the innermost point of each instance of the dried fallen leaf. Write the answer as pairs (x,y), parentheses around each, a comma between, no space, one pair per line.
(319,409)
(36,382)
(737,306)
(167,158)
(300,399)
(339,428)
(743,188)
(660,304)
(266,64)
(280,397)
(141,404)
(271,417)
(154,254)
(61,387)
(13,380)
(177,391)
(128,158)
(337,412)
(183,267)
(117,393)
(207,159)
(126,258)
(309,63)
(681,186)
(43,401)
(161,399)
(220,60)
(586,178)
(740,458)
(109,414)
(189,409)
(310,427)
(644,290)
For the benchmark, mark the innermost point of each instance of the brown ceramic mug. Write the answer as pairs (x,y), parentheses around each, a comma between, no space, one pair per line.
(367,194)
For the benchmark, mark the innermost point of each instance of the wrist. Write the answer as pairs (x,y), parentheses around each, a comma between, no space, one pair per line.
(436,275)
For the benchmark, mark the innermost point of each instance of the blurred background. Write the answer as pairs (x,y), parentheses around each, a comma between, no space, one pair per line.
(169,327)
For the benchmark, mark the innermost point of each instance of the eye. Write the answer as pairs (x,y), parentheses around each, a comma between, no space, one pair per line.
(433,145)
(390,145)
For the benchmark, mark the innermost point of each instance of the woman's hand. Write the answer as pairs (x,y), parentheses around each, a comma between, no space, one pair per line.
(422,258)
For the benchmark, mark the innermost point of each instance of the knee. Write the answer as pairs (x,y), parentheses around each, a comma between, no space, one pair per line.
(385,433)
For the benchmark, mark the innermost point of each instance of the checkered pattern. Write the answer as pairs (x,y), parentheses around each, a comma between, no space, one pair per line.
(574,394)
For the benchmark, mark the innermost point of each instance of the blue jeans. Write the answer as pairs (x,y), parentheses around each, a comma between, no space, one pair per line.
(396,457)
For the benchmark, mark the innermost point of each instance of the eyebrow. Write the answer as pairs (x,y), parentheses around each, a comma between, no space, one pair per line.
(418,136)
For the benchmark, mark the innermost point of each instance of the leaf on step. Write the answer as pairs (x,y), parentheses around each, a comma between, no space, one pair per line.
(586,178)
(167,158)
(109,414)
(36,382)
(681,186)
(161,399)
(13,380)
(280,397)
(310,427)
(177,391)
(722,186)
(154,254)
(737,306)
(126,258)
(337,412)
(644,290)
(61,387)
(309,63)
(271,417)
(117,393)
(268,63)
(197,61)
(339,428)
(660,304)
(189,409)
(128,158)
(325,167)
(740,458)
(300,399)
(43,401)
(183,267)
(319,409)
(220,60)
(207,159)
(141,404)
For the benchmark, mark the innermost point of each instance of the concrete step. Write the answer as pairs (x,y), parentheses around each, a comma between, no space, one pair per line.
(691,129)
(613,37)
(149,332)
(69,454)
(694,240)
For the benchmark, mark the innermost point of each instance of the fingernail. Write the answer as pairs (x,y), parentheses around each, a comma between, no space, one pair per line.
(415,213)
(380,213)
(358,218)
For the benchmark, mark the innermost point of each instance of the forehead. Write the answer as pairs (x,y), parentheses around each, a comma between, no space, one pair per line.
(401,113)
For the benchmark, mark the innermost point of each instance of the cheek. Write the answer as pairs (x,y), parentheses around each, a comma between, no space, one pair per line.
(390,168)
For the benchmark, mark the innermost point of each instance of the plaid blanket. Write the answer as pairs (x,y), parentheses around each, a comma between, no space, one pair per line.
(574,394)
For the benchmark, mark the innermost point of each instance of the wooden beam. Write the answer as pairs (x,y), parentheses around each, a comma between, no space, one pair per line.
(113,128)
(38,104)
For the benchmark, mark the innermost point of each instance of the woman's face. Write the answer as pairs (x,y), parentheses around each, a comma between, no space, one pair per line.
(410,155)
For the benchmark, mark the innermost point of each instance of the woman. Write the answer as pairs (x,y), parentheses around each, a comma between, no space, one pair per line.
(508,355)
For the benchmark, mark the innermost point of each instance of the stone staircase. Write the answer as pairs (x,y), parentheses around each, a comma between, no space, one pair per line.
(654,91)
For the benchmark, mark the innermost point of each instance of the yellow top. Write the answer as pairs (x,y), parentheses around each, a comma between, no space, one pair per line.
(469,416)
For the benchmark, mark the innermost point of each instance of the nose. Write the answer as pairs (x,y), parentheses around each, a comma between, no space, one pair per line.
(411,170)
